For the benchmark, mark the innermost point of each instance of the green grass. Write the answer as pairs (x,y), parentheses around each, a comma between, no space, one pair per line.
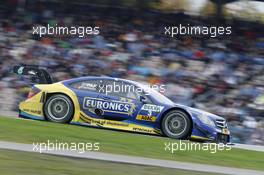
(28,131)
(19,163)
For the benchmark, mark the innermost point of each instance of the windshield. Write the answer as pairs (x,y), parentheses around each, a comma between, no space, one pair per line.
(155,94)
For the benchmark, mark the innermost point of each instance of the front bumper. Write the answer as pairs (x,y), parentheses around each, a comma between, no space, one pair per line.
(222,138)
(210,134)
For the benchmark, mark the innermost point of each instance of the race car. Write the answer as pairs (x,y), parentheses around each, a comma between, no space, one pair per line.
(95,101)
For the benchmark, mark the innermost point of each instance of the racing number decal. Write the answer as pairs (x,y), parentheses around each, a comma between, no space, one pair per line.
(149,112)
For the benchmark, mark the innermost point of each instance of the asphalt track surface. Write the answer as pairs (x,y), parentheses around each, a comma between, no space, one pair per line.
(249,147)
(134,160)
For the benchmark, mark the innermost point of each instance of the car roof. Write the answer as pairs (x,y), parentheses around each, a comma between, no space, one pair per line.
(98,78)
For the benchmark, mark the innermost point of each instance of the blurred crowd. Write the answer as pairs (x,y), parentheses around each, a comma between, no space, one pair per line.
(222,75)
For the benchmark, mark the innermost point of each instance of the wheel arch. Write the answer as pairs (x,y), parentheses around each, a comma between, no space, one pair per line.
(180,109)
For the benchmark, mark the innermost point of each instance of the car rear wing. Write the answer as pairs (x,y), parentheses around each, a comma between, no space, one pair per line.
(38,75)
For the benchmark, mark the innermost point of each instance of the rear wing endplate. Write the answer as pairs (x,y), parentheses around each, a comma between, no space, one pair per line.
(35,72)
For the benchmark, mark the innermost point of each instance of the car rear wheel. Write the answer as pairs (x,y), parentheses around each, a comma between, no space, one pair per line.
(176,124)
(59,108)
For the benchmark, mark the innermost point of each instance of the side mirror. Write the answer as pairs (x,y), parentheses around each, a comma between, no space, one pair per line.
(143,99)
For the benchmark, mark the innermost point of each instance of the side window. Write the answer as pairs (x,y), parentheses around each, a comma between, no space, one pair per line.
(87,85)
(121,89)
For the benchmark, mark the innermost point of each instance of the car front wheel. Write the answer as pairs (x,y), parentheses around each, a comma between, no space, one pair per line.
(59,108)
(176,124)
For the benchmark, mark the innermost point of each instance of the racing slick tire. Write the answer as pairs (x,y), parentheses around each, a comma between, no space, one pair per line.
(176,124)
(59,108)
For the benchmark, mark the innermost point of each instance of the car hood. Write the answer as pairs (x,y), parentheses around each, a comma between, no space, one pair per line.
(199,111)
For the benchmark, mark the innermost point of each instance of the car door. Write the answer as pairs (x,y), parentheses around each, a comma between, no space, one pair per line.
(87,92)
(120,101)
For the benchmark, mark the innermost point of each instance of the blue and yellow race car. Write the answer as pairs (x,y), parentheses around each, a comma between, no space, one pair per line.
(133,106)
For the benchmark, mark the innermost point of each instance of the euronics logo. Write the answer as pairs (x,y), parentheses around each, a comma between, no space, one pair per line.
(115,106)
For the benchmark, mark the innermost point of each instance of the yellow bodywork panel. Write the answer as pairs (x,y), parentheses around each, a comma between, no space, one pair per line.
(60,88)
(32,108)
(34,104)
(115,124)
(200,138)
